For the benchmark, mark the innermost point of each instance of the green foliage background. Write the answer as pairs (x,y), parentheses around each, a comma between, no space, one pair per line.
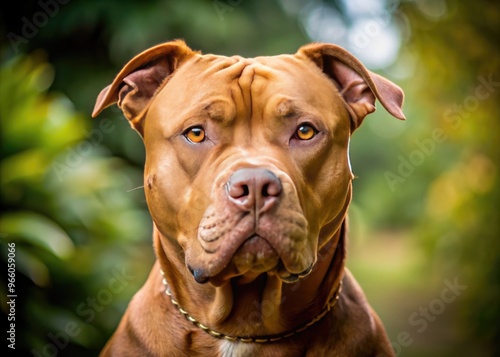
(71,186)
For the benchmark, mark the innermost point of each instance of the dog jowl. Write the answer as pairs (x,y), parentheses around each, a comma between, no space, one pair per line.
(248,181)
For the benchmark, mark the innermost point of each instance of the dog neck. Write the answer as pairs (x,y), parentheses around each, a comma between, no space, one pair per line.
(265,306)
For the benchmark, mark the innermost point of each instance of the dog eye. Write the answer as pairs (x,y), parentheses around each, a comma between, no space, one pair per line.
(195,134)
(305,132)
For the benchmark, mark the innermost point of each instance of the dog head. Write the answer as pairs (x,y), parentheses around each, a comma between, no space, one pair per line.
(247,168)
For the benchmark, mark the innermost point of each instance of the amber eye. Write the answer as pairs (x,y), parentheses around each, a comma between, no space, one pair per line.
(195,134)
(305,132)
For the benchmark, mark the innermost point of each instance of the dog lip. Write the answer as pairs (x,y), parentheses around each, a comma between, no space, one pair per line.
(256,239)
(245,260)
(252,239)
(198,275)
(292,278)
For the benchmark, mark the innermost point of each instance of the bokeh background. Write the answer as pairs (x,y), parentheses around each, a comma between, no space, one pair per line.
(424,218)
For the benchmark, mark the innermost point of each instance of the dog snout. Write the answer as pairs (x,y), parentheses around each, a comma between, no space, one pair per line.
(254,189)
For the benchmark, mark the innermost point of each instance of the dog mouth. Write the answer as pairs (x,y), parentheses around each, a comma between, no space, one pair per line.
(255,256)
(265,260)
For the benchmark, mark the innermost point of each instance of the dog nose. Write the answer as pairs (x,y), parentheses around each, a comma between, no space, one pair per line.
(254,188)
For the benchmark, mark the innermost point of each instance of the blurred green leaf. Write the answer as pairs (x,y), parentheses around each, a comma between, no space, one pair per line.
(37,230)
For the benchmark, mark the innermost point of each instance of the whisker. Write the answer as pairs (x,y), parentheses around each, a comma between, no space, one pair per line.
(135,188)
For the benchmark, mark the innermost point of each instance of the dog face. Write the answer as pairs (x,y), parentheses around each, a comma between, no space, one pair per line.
(247,167)
(246,141)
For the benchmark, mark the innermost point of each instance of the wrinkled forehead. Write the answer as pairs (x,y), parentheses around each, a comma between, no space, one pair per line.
(248,72)
(205,80)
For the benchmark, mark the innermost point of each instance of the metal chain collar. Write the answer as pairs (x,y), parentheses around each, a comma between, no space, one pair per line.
(258,339)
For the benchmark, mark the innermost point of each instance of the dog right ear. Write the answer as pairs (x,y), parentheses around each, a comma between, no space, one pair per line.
(138,82)
(358,86)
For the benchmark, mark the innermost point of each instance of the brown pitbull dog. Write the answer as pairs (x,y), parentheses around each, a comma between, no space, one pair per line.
(248,181)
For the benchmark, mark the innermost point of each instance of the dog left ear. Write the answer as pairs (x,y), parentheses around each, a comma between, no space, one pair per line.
(358,86)
(138,82)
